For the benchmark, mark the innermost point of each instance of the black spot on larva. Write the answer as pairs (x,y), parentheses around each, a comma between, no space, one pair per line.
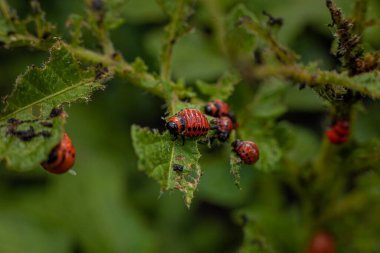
(189,129)
(194,128)
(53,156)
(45,134)
(46,124)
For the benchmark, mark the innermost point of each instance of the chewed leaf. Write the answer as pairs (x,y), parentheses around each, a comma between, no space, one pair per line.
(25,144)
(61,80)
(172,165)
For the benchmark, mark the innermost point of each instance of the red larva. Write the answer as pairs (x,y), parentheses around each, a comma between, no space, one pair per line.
(322,242)
(61,158)
(217,108)
(339,132)
(223,126)
(247,151)
(188,123)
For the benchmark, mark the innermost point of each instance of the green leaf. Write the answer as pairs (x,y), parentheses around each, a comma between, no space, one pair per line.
(75,23)
(114,13)
(143,12)
(111,13)
(367,83)
(269,100)
(258,123)
(194,58)
(4,29)
(270,154)
(366,156)
(239,41)
(61,80)
(179,12)
(171,7)
(254,240)
(42,26)
(223,89)
(36,238)
(159,157)
(24,154)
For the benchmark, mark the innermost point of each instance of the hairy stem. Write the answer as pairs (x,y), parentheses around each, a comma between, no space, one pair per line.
(119,66)
(283,54)
(95,16)
(170,39)
(313,78)
(106,42)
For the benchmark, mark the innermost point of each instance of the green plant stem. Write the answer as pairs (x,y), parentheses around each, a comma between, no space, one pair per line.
(170,39)
(105,41)
(359,15)
(283,54)
(172,34)
(95,18)
(119,66)
(313,78)
(5,10)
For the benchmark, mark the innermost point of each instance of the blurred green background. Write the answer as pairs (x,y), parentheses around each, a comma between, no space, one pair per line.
(112,207)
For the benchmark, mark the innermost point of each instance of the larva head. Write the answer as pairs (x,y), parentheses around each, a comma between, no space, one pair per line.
(223,136)
(210,109)
(236,143)
(174,125)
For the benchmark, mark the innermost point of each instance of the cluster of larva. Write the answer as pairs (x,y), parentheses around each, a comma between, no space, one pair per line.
(339,132)
(193,123)
(187,123)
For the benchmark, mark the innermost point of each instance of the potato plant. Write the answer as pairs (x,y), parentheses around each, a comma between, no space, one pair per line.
(310,179)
